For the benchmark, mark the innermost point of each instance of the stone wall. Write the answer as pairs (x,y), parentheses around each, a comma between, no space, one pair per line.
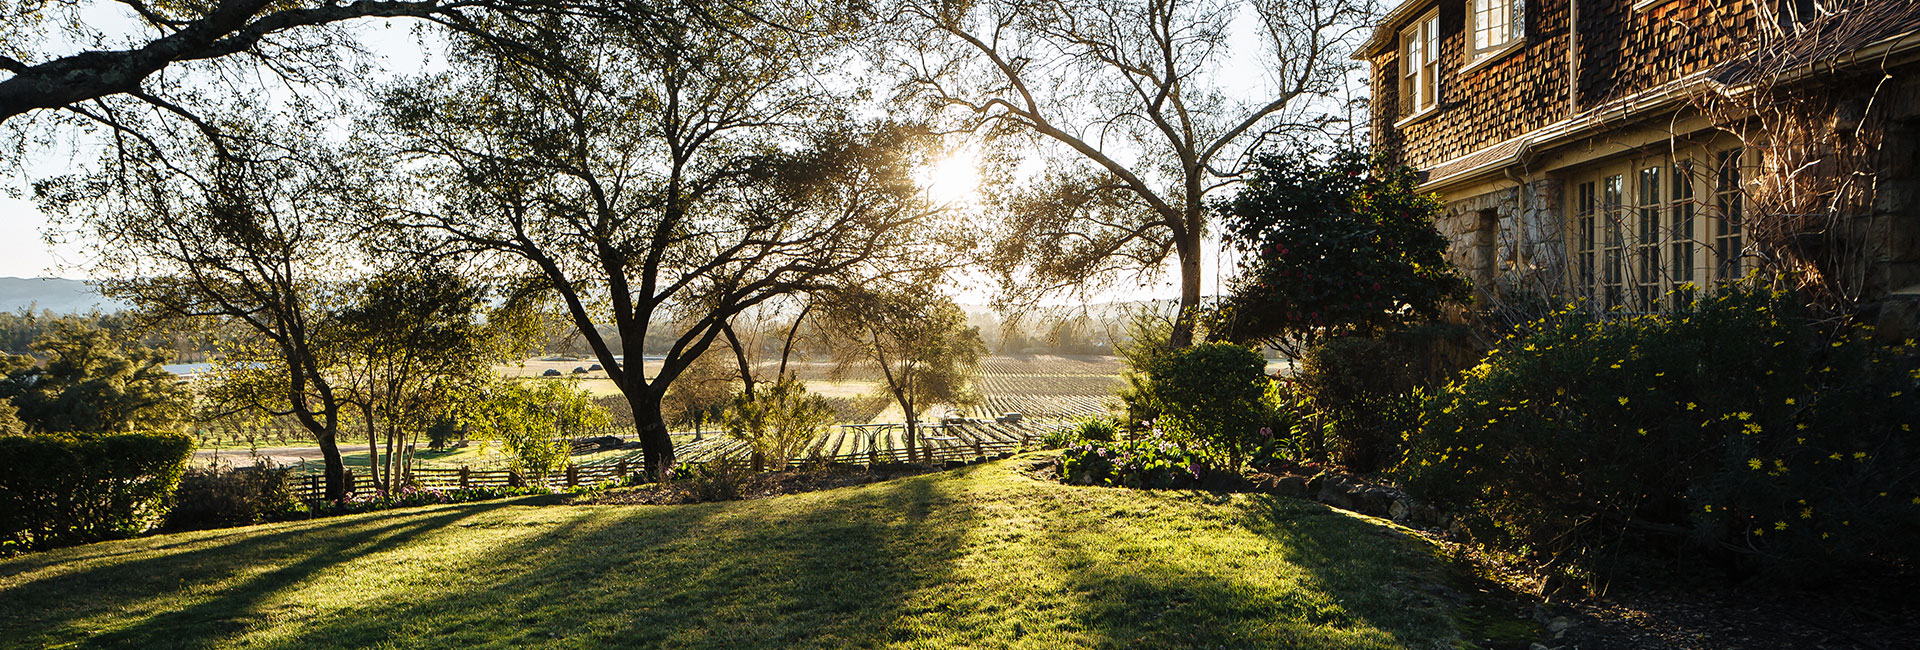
(1509,240)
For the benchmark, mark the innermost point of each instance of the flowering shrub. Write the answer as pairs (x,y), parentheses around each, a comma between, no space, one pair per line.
(1737,426)
(1150,463)
(1210,400)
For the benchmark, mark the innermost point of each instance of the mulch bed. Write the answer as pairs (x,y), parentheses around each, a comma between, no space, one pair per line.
(760,486)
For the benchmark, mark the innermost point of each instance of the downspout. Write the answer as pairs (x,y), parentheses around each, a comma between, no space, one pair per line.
(1573,58)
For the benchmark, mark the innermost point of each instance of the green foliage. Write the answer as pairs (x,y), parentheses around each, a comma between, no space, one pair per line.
(64,489)
(1336,248)
(217,497)
(1149,335)
(91,384)
(1096,430)
(1148,463)
(535,420)
(444,431)
(1210,400)
(1364,389)
(1060,438)
(778,421)
(1737,426)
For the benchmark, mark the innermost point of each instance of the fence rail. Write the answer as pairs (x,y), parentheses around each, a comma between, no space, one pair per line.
(871,445)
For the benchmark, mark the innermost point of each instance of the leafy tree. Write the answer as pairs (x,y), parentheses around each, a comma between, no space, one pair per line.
(778,422)
(1344,247)
(535,420)
(1123,101)
(411,344)
(918,340)
(247,239)
(90,384)
(657,175)
(700,395)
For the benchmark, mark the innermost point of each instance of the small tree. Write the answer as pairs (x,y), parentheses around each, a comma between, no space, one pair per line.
(778,421)
(534,421)
(1345,247)
(700,395)
(919,341)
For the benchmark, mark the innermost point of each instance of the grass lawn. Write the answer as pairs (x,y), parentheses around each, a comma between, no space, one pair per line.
(980,557)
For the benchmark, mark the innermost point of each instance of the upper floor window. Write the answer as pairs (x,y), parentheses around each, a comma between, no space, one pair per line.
(1420,65)
(1493,25)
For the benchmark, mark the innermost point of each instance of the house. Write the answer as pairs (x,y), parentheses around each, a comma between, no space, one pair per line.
(1627,152)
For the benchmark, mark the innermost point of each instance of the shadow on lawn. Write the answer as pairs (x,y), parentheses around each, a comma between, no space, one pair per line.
(1342,583)
(761,574)
(51,604)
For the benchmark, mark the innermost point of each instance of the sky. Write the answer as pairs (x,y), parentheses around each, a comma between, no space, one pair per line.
(25,253)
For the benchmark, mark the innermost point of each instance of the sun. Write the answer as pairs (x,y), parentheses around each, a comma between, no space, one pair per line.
(954,179)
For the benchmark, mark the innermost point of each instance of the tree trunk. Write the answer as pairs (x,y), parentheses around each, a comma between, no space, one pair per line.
(656,447)
(1188,250)
(373,448)
(336,469)
(740,355)
(786,351)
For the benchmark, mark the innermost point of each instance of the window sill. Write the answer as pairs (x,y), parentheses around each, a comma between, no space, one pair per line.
(1417,115)
(1487,58)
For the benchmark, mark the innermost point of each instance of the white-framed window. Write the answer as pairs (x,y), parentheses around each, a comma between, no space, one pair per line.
(1730,206)
(1493,25)
(1647,234)
(1420,65)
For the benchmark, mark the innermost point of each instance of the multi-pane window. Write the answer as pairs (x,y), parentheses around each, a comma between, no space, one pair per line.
(1420,65)
(1585,213)
(1648,272)
(1495,24)
(1646,234)
(1726,230)
(1614,288)
(1680,233)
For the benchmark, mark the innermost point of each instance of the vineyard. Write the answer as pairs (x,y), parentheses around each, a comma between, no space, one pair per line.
(1048,388)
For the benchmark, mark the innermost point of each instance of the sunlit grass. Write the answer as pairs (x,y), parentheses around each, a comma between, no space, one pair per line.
(982,557)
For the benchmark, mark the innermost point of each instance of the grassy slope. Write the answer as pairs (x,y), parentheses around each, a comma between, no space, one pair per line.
(981,557)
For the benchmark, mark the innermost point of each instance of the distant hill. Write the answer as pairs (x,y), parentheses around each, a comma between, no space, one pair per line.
(61,295)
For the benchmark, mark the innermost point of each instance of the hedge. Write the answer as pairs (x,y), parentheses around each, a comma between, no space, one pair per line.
(60,489)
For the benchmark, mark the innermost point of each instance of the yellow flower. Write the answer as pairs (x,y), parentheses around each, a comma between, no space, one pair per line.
(1779,525)
(1806,513)
(1643,431)
(1692,406)
(1859,455)
(1789,400)
(1623,401)
(1753,463)
(1757,532)
(1710,506)
(1744,415)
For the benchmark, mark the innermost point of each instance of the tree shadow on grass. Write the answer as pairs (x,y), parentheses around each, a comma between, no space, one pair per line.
(131,582)
(827,569)
(1314,578)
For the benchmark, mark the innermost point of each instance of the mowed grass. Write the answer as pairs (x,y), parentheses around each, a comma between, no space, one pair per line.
(983,557)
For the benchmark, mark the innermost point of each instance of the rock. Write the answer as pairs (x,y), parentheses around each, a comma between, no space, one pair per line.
(1292,486)
(1558,625)
(1539,646)
(1400,510)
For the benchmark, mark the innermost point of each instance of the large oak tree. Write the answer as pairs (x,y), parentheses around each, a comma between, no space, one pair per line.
(653,174)
(1130,103)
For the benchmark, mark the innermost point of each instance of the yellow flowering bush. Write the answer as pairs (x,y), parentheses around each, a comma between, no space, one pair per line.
(1736,428)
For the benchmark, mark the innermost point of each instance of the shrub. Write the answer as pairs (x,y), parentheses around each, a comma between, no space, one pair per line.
(1151,463)
(63,489)
(1364,391)
(778,421)
(1060,439)
(215,497)
(1097,430)
(1210,400)
(1736,428)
